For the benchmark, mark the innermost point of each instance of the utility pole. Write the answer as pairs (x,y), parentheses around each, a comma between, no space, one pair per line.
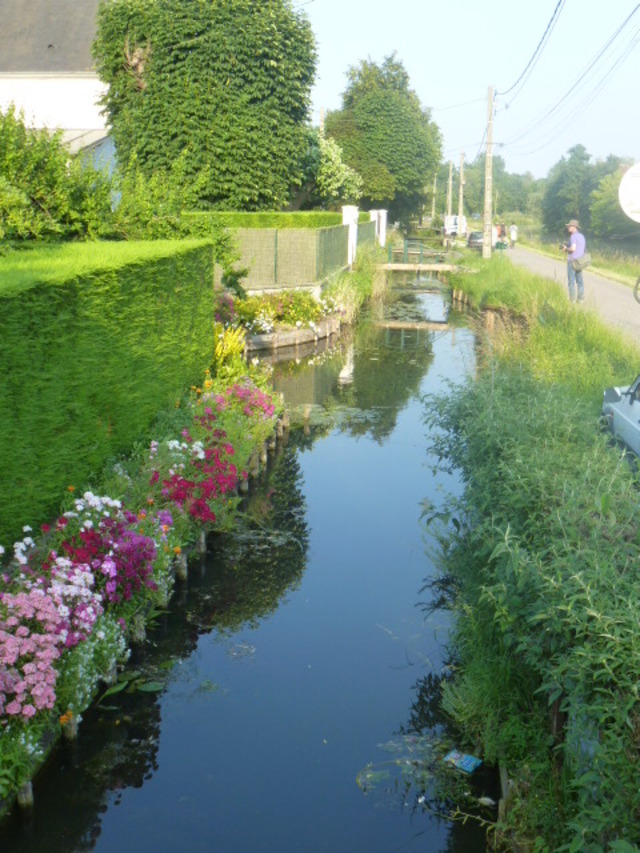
(433,200)
(488,180)
(461,194)
(449,188)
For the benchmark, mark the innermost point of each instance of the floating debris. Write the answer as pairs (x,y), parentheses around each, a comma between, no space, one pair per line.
(462,761)
(241,650)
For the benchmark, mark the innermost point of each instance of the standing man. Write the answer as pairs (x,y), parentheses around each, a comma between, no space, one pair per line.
(574,249)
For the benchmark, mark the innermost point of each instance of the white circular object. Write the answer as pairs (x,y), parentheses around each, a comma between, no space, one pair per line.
(629,192)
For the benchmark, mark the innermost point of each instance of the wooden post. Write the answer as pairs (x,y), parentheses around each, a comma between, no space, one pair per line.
(488,180)
(461,195)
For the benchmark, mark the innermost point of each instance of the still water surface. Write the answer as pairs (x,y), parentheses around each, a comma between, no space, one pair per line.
(296,649)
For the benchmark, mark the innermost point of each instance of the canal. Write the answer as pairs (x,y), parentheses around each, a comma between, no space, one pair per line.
(277,703)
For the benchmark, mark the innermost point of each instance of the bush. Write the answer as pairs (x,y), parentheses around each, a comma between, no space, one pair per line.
(44,193)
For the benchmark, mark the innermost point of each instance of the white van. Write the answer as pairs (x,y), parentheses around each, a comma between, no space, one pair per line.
(451,226)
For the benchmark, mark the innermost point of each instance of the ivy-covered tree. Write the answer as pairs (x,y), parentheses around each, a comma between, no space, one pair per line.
(387,137)
(228,81)
(45,193)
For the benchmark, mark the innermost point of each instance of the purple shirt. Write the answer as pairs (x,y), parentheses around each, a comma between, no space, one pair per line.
(579,242)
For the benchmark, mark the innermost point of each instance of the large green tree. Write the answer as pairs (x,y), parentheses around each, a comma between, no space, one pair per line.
(572,186)
(608,220)
(226,81)
(387,137)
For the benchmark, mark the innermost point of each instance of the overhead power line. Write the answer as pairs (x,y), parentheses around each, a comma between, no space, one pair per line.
(591,68)
(536,54)
(571,116)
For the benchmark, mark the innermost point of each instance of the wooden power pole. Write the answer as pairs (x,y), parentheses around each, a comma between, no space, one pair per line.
(488,181)
(461,194)
(449,188)
(433,200)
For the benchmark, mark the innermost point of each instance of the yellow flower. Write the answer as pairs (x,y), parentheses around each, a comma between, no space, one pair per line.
(66,717)
(177,549)
(71,488)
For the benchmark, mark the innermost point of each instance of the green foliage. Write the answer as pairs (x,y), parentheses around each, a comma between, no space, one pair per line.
(543,557)
(229,83)
(511,192)
(44,193)
(268,219)
(352,290)
(328,181)
(89,357)
(569,190)
(496,284)
(387,138)
(150,206)
(541,548)
(287,308)
(608,221)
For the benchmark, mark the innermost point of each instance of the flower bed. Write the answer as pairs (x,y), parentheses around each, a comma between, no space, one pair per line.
(76,595)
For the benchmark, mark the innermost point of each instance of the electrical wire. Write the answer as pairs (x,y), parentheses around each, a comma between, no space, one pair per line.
(583,77)
(569,118)
(536,54)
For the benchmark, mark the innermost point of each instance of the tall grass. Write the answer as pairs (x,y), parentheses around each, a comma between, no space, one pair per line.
(352,289)
(543,554)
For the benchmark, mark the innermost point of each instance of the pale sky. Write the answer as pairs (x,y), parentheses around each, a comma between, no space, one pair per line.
(579,83)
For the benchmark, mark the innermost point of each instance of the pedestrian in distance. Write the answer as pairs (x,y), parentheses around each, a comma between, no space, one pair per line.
(513,234)
(574,248)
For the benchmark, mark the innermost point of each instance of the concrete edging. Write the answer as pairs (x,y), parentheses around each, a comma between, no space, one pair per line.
(289,337)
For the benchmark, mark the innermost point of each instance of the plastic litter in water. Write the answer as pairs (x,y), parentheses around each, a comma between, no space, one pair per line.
(464,762)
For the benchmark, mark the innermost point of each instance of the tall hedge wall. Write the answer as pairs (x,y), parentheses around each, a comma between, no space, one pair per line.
(87,362)
(269,219)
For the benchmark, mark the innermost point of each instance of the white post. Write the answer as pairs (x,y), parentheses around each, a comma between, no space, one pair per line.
(380,218)
(382,227)
(350,218)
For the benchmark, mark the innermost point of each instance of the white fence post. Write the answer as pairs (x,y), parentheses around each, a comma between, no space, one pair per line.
(350,218)
(380,218)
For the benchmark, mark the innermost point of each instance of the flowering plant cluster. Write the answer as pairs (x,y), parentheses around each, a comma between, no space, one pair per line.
(261,314)
(29,645)
(250,400)
(71,592)
(200,469)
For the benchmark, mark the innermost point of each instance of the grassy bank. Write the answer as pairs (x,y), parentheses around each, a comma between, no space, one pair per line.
(542,552)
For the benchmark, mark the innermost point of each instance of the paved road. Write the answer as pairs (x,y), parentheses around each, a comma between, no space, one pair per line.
(614,302)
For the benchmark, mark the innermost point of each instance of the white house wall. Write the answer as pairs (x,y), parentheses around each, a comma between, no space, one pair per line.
(60,102)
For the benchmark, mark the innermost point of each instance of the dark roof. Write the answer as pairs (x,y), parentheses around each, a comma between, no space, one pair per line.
(47,35)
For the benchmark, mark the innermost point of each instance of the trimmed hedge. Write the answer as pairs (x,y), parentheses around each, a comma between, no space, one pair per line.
(88,358)
(274,219)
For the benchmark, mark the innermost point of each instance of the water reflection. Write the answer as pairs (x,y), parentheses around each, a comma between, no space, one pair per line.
(384,368)
(241,579)
(294,648)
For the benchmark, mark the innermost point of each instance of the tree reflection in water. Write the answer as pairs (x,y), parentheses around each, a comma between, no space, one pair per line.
(242,578)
